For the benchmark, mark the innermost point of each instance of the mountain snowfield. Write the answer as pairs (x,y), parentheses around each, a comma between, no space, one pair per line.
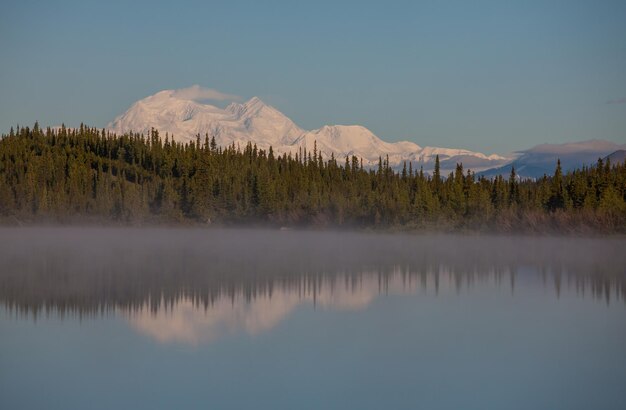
(254,121)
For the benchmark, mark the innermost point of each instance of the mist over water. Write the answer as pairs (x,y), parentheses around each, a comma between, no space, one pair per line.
(267,318)
(95,269)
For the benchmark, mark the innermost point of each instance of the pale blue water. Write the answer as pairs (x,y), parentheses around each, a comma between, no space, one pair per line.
(156,318)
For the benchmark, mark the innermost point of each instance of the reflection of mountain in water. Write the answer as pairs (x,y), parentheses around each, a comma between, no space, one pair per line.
(238,279)
(188,321)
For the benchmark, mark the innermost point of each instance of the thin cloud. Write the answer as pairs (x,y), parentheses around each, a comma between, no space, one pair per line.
(196,92)
(614,102)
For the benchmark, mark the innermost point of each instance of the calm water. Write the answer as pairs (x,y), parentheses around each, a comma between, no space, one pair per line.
(159,318)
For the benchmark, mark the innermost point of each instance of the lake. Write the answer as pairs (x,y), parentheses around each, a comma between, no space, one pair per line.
(103,318)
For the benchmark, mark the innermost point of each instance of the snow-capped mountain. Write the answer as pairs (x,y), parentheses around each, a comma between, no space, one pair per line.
(183,119)
(256,122)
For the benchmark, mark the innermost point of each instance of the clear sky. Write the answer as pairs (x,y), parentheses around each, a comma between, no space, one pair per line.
(493,76)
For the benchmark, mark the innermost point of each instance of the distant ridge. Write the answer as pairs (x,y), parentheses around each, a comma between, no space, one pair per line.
(541,159)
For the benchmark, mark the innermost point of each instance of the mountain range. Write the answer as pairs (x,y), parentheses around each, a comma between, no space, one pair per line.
(182,119)
(259,123)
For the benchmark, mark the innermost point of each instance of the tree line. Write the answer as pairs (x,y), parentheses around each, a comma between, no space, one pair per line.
(87,174)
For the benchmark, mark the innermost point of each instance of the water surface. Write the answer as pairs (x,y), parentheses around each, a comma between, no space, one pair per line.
(190,318)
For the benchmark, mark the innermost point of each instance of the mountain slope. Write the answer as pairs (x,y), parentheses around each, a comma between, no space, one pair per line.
(617,157)
(256,122)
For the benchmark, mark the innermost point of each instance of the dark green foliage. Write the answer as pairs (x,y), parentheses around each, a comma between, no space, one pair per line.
(89,174)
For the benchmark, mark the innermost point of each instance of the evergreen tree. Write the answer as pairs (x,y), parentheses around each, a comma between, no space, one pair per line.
(557,197)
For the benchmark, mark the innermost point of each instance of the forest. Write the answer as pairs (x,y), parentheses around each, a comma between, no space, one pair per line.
(88,175)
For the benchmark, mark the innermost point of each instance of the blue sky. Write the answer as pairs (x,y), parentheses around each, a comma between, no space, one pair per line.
(493,76)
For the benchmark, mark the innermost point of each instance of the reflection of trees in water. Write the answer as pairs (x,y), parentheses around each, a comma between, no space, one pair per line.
(92,271)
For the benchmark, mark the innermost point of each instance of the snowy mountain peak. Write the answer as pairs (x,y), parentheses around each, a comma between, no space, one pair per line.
(253,107)
(181,114)
(254,102)
(160,96)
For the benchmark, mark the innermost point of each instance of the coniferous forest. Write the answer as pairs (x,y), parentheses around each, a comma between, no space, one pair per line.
(89,175)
